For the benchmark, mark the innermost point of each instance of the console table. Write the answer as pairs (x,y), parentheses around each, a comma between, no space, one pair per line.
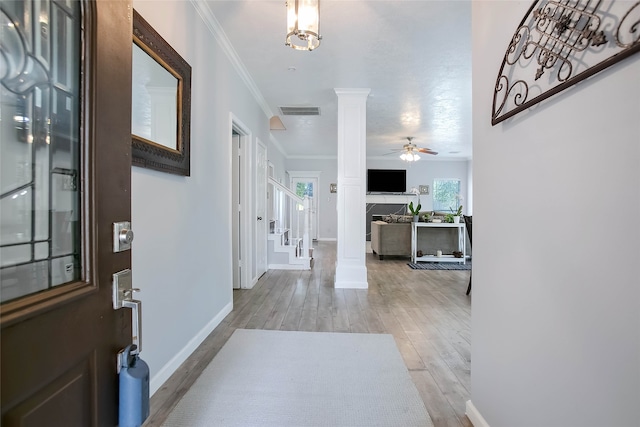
(462,242)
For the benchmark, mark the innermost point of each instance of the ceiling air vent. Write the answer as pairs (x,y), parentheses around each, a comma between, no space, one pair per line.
(300,111)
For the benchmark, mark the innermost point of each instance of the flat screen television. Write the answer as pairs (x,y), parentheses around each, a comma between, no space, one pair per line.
(386,180)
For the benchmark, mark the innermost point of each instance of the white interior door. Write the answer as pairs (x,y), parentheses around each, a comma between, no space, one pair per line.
(236,219)
(261,210)
(243,164)
(308,185)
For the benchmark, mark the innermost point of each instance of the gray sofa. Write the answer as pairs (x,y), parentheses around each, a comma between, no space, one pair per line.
(391,238)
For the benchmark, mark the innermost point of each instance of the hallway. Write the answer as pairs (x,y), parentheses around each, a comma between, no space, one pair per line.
(426,311)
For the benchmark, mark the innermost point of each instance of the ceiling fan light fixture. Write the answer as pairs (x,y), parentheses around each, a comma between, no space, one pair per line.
(409,156)
(303,24)
(409,152)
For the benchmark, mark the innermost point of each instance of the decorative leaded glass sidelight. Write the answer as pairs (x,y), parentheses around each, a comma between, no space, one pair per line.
(40,62)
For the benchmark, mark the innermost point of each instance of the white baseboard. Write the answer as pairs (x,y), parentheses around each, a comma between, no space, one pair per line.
(170,367)
(350,276)
(474,416)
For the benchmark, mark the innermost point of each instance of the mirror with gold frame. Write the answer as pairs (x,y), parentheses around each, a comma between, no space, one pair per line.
(161,102)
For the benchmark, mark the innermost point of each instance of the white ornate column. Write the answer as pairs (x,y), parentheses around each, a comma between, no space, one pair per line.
(351,270)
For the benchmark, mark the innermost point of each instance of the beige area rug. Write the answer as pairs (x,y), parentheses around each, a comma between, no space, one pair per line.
(298,379)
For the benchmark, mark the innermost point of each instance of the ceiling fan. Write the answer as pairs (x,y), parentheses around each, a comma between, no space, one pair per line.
(409,151)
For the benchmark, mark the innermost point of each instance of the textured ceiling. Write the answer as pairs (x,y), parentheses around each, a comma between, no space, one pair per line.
(415,56)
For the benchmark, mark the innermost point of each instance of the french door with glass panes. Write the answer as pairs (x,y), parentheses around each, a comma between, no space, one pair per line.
(65,138)
(305,185)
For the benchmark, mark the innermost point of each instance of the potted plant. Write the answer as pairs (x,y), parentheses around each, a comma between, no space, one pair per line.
(415,211)
(456,214)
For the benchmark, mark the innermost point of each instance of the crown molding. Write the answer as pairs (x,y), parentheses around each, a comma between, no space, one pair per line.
(218,33)
(311,157)
(422,159)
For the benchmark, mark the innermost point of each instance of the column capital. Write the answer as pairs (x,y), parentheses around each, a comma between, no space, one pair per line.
(361,92)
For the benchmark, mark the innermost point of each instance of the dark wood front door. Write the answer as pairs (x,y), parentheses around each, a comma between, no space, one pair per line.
(65,179)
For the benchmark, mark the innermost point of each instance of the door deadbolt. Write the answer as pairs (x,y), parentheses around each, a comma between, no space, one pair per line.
(122,236)
(125,236)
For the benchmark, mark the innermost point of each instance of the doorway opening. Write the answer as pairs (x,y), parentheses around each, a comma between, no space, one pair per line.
(307,183)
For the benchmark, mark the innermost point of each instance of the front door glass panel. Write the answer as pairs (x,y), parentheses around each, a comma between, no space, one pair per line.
(39,146)
(305,187)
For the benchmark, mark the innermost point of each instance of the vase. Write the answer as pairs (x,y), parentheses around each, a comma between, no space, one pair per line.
(456,219)
(416,218)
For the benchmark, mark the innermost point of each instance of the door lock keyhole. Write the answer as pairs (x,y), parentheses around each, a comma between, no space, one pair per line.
(125,236)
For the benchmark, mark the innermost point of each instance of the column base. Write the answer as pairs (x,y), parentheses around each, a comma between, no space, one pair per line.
(351,277)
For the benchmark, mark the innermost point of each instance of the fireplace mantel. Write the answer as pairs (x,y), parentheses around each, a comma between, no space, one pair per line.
(389,198)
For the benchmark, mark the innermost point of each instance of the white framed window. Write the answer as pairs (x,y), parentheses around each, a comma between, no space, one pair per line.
(446,194)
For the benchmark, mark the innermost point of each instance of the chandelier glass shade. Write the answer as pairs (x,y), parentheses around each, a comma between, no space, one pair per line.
(303,24)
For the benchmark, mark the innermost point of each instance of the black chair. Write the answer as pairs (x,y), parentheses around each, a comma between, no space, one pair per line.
(467,223)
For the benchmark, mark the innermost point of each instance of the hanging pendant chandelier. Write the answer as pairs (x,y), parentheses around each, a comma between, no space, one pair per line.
(303,24)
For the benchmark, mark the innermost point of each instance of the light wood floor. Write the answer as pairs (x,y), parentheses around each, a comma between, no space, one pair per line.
(426,311)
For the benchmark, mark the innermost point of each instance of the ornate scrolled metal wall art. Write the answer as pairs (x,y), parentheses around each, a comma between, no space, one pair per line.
(560,43)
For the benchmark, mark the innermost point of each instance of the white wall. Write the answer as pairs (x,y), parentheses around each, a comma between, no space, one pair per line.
(277,158)
(182,249)
(556,293)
